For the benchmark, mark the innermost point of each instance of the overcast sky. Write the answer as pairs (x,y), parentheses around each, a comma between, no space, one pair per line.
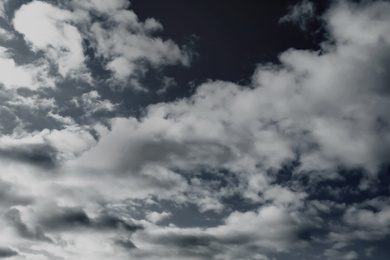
(194,129)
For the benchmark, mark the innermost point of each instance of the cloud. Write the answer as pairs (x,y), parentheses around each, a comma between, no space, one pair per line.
(101,7)
(48,28)
(300,14)
(30,76)
(70,39)
(127,244)
(307,106)
(126,51)
(10,196)
(278,229)
(5,35)
(166,84)
(275,230)
(111,221)
(39,155)
(13,216)
(92,103)
(157,217)
(67,218)
(46,148)
(335,254)
(6,252)
(3,5)
(325,109)
(294,158)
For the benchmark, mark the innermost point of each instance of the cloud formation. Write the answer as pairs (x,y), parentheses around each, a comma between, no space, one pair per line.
(293,163)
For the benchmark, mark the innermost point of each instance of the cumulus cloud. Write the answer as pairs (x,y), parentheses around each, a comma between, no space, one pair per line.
(28,76)
(253,161)
(303,108)
(64,32)
(127,44)
(49,29)
(125,51)
(46,146)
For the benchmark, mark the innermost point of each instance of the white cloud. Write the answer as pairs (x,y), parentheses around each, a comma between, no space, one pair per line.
(30,76)
(326,109)
(278,228)
(67,120)
(124,51)
(68,143)
(71,141)
(156,217)
(33,102)
(362,26)
(48,28)
(126,44)
(241,235)
(92,103)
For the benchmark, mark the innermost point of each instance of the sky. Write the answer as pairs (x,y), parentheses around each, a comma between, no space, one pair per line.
(195,129)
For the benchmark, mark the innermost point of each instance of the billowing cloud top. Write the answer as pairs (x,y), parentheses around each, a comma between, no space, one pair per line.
(292,165)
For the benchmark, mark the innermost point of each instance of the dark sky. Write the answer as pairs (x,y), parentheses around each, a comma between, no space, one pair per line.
(173,129)
(229,37)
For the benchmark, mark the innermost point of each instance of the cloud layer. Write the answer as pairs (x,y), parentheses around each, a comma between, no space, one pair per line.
(294,163)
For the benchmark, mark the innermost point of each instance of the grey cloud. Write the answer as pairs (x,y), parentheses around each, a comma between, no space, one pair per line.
(189,245)
(2,8)
(110,221)
(66,218)
(6,252)
(372,224)
(125,243)
(340,254)
(106,8)
(300,14)
(11,197)
(188,241)
(165,151)
(269,228)
(326,111)
(39,155)
(13,216)
(9,120)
